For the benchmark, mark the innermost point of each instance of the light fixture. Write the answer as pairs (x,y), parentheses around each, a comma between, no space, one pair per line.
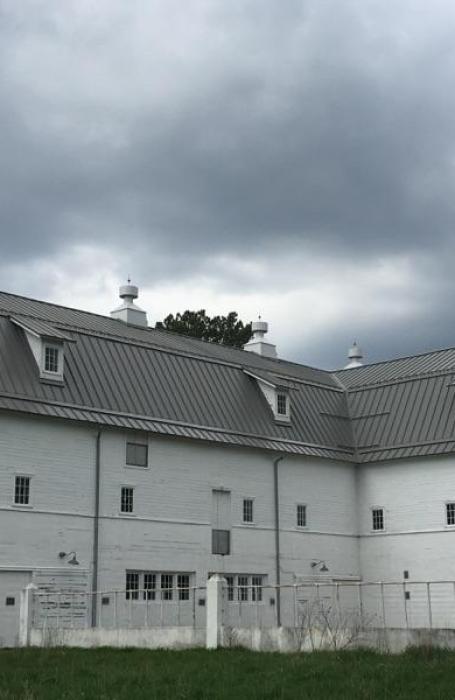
(323,568)
(73,561)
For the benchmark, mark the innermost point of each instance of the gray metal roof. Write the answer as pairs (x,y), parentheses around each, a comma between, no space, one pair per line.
(41,328)
(136,378)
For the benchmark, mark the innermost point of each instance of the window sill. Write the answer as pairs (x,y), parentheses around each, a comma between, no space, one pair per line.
(49,379)
(301,528)
(248,523)
(21,506)
(127,515)
(377,532)
(137,466)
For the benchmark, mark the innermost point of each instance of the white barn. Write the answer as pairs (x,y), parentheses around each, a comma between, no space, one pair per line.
(137,458)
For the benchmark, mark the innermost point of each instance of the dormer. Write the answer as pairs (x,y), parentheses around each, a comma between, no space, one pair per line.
(276,395)
(47,345)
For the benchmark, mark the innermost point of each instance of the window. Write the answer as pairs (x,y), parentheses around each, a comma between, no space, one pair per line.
(243,588)
(247,510)
(301,515)
(378,518)
(149,592)
(132,585)
(126,499)
(183,586)
(22,490)
(153,586)
(221,542)
(450,511)
(239,586)
(282,404)
(167,584)
(136,454)
(51,359)
(230,587)
(256,589)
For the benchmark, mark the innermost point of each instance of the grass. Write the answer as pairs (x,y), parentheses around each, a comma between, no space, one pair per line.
(132,674)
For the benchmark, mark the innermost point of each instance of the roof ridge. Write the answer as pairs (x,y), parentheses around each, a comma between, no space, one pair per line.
(393,359)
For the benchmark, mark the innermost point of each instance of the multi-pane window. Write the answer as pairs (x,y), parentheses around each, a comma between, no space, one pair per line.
(377,515)
(230,587)
(243,588)
(247,510)
(127,499)
(132,585)
(256,589)
(221,542)
(150,585)
(183,586)
(51,359)
(450,511)
(22,490)
(301,515)
(282,404)
(136,454)
(167,584)
(149,592)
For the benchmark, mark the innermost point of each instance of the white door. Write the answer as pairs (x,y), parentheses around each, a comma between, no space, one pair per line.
(11,585)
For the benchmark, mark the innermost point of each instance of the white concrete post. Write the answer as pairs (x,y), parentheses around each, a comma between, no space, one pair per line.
(214,611)
(26,614)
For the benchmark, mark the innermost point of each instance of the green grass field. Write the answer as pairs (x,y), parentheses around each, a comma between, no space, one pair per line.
(109,674)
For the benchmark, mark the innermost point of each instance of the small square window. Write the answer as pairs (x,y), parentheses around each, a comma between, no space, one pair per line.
(247,510)
(377,515)
(10,601)
(282,404)
(450,512)
(301,515)
(22,490)
(51,359)
(136,454)
(105,600)
(126,499)
(132,585)
(221,542)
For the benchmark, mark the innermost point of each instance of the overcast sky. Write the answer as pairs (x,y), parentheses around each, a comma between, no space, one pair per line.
(294,159)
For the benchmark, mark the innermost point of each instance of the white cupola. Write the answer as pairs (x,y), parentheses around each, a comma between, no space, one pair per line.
(355,356)
(257,343)
(128,312)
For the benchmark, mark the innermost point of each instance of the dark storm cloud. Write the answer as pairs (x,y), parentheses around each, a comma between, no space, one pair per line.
(245,129)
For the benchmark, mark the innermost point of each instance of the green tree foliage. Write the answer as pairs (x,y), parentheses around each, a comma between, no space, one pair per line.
(229,330)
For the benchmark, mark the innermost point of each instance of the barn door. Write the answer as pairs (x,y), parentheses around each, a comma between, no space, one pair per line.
(11,585)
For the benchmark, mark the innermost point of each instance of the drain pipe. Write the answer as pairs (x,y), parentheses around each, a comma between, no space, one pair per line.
(96,524)
(277,540)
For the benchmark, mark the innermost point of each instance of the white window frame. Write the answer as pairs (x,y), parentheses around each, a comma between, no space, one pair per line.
(252,521)
(235,590)
(23,505)
(297,506)
(285,417)
(46,374)
(156,593)
(377,530)
(127,513)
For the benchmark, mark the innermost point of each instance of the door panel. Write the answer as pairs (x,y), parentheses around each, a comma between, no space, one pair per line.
(11,585)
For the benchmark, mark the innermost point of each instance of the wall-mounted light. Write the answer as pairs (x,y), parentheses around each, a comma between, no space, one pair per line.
(67,555)
(323,568)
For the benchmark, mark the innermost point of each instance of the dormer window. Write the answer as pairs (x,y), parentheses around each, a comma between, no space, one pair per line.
(51,359)
(282,404)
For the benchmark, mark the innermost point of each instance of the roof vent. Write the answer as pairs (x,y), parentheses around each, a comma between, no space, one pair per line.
(128,312)
(257,343)
(355,357)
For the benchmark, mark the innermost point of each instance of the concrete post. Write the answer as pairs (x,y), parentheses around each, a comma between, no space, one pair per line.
(214,611)
(26,614)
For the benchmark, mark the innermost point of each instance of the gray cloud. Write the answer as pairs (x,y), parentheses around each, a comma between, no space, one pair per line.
(183,135)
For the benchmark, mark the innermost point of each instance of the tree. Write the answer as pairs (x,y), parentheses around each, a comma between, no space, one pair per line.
(229,330)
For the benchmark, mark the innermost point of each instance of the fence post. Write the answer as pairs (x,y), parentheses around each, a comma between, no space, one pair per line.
(26,614)
(214,611)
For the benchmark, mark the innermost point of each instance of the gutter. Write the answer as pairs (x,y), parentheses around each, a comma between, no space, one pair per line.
(277,539)
(96,524)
